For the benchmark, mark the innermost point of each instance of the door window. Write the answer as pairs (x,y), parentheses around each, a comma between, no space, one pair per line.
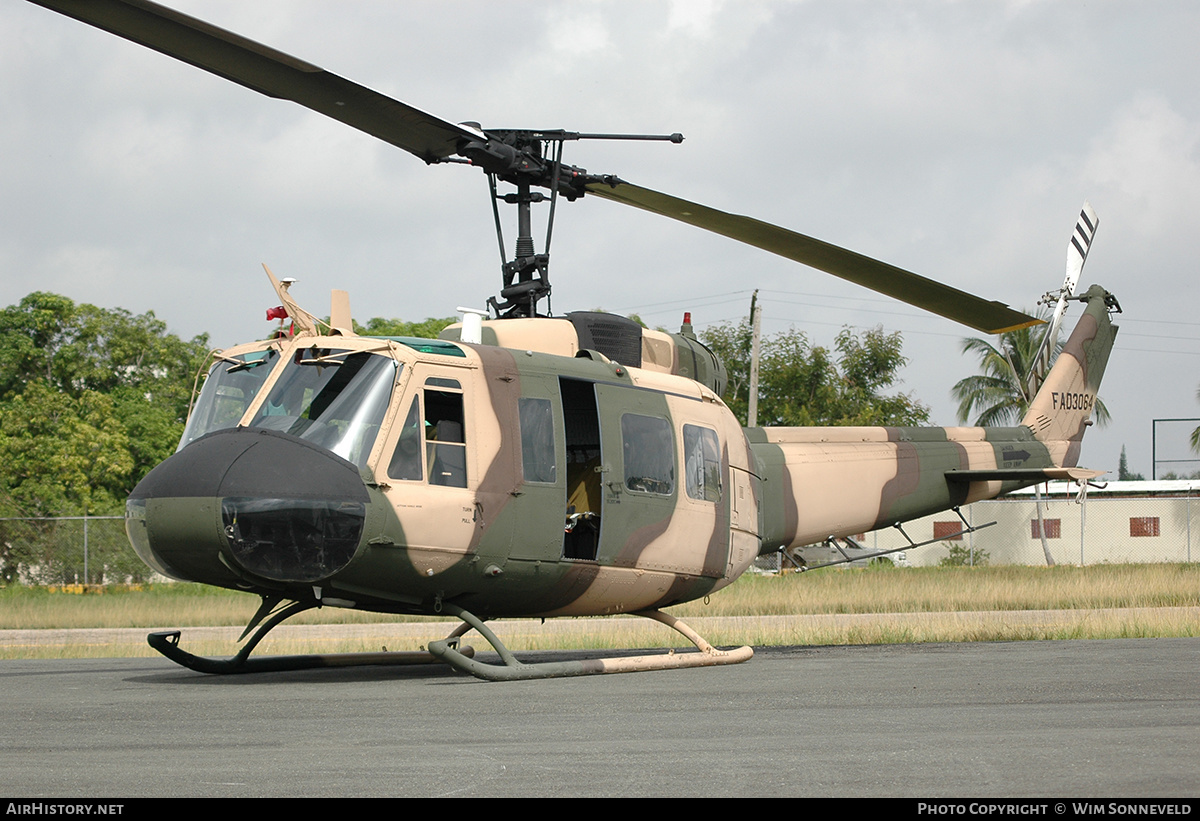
(537,440)
(702,463)
(649,454)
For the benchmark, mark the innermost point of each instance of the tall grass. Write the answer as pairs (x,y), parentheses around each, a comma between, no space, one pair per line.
(872,606)
(946,589)
(891,590)
(155,605)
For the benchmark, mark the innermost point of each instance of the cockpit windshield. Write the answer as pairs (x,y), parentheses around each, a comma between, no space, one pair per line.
(230,387)
(334,399)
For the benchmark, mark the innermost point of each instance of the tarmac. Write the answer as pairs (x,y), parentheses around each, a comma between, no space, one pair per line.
(1045,720)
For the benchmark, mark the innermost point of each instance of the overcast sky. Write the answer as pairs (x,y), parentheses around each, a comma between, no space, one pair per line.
(954,139)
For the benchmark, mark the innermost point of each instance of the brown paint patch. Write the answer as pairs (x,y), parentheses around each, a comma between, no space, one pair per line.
(1085,331)
(574,583)
(907,478)
(684,588)
(959,492)
(1074,449)
(964,460)
(791,507)
(639,540)
(716,556)
(1084,334)
(502,476)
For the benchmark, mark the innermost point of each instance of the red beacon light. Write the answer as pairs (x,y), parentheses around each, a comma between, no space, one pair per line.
(279,312)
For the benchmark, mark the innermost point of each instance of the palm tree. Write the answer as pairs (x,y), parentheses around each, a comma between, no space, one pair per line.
(1196,432)
(997,394)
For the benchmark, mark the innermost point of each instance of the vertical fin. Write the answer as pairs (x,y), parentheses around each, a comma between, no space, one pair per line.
(1062,409)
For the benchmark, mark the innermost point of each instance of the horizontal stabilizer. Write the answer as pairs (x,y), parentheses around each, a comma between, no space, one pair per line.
(1023,474)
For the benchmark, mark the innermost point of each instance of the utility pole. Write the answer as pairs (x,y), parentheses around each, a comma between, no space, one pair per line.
(755,338)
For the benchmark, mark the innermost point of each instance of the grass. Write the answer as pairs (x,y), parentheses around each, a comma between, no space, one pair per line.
(871,606)
(945,589)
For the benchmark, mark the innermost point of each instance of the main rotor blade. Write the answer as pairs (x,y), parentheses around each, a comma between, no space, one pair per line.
(972,311)
(269,72)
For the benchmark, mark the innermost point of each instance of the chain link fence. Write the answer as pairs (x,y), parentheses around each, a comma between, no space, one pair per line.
(68,550)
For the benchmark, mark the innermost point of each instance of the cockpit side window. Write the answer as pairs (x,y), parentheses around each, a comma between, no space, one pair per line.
(230,387)
(406,458)
(434,426)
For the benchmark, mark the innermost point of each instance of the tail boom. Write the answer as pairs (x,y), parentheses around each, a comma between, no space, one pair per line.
(839,481)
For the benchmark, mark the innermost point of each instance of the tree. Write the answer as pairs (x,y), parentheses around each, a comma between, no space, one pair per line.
(869,364)
(90,399)
(62,454)
(428,329)
(996,396)
(1123,472)
(77,347)
(801,384)
(1196,432)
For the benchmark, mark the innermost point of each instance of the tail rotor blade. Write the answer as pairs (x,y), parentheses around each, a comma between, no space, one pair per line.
(1080,244)
(1077,252)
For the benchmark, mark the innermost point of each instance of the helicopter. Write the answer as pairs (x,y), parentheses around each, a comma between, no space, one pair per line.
(533,465)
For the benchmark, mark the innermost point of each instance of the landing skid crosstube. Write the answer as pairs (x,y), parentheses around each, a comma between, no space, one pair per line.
(167,643)
(514,670)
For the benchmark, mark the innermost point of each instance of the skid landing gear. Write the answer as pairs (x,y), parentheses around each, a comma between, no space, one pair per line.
(449,651)
(167,643)
(513,670)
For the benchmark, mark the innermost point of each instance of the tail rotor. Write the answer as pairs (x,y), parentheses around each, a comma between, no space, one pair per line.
(1077,253)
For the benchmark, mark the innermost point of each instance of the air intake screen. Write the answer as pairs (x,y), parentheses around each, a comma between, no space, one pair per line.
(616,337)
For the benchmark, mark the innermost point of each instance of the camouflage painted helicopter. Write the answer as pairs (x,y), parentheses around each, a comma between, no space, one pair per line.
(530,465)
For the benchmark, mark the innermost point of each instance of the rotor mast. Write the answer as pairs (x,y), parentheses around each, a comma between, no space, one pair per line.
(528,159)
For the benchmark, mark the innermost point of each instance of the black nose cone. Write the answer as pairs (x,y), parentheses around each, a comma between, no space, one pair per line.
(267,503)
(253,462)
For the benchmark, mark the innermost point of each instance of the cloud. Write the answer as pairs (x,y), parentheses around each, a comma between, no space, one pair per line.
(1148,159)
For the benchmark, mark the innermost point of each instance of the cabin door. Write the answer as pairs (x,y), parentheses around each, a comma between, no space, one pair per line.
(584,501)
